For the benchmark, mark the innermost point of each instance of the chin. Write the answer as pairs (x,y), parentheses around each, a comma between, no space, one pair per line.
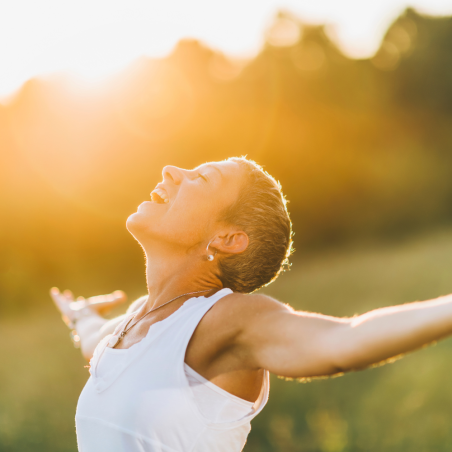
(136,223)
(142,226)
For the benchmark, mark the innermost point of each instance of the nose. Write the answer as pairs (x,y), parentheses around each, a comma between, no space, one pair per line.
(173,174)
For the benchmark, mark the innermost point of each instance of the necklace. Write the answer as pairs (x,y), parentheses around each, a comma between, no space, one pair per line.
(114,340)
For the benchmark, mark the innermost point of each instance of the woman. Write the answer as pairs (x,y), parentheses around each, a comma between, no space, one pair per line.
(186,369)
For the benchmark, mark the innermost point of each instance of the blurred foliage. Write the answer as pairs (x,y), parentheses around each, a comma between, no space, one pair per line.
(362,149)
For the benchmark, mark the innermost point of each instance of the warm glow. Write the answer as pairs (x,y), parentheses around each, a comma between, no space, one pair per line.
(94,38)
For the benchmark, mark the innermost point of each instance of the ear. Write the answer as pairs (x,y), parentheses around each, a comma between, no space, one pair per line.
(231,242)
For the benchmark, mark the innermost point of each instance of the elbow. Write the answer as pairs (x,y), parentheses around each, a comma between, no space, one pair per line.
(339,366)
(345,367)
(347,353)
(344,363)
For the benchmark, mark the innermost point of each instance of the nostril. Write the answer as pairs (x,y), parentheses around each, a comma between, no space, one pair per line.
(173,174)
(168,175)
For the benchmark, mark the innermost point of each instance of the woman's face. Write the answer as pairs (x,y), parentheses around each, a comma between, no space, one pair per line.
(185,208)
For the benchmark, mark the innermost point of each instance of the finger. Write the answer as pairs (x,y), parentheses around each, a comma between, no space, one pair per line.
(106,302)
(55,295)
(59,300)
(117,296)
(120,296)
(79,303)
(69,295)
(54,292)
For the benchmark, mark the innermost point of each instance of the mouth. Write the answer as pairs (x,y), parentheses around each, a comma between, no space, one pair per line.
(159,195)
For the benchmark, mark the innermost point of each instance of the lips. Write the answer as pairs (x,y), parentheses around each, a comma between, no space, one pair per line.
(159,195)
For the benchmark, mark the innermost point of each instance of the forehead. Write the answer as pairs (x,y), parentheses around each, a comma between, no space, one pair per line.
(227,180)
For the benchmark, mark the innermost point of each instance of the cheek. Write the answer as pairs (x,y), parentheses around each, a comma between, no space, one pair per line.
(191,222)
(189,225)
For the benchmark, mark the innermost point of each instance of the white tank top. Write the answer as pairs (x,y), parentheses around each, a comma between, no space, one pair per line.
(214,403)
(146,399)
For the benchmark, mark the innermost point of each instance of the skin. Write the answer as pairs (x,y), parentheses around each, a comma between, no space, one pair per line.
(242,334)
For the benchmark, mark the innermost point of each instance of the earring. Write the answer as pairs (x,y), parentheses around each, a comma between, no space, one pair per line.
(210,257)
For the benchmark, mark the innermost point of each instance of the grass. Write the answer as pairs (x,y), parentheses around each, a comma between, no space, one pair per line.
(400,407)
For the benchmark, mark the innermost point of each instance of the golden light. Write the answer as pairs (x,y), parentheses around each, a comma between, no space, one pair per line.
(95,38)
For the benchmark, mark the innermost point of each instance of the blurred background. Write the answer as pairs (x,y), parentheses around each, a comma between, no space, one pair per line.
(349,107)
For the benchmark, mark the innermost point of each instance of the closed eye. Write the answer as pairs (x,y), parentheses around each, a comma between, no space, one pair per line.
(202,177)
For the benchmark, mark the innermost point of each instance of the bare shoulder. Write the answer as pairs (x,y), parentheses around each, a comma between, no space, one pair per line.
(252,302)
(237,310)
(222,328)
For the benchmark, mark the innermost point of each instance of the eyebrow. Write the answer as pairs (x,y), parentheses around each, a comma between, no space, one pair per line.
(215,168)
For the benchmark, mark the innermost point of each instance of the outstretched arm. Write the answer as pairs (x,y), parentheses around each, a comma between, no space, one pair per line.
(85,315)
(300,344)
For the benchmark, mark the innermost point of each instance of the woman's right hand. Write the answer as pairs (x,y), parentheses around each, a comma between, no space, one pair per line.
(71,309)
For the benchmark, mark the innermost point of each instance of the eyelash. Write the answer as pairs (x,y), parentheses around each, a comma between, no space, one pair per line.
(201,176)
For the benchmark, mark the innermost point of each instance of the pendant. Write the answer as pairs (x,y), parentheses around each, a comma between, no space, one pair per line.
(113,341)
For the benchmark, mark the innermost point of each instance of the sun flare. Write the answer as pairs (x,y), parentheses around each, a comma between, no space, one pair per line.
(95,38)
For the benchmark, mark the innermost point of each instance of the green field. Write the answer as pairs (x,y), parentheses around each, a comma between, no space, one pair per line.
(405,406)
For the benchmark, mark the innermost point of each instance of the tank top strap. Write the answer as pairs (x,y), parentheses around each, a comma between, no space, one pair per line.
(195,310)
(170,335)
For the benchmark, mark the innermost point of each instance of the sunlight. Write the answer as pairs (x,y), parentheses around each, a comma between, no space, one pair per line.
(95,38)
(91,40)
(98,53)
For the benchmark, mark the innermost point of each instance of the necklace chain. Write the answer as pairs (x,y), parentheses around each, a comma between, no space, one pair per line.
(125,331)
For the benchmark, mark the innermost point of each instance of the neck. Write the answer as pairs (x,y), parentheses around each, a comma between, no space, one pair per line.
(171,274)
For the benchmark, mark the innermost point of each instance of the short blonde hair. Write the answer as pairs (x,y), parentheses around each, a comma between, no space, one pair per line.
(261,211)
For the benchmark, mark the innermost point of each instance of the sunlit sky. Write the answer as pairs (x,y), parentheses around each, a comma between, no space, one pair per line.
(94,38)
